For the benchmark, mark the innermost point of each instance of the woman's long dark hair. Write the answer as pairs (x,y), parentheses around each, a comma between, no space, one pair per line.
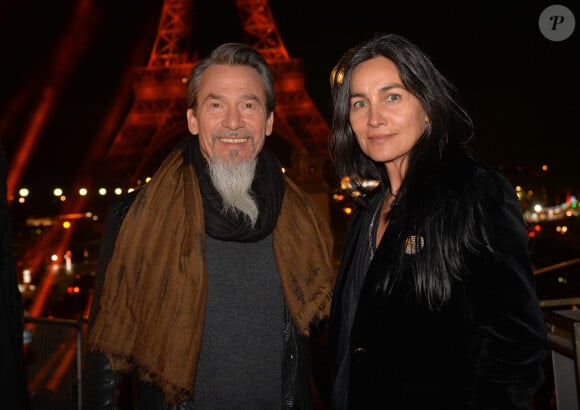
(442,220)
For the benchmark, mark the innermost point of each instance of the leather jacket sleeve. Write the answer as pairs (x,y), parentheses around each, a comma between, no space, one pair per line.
(101,384)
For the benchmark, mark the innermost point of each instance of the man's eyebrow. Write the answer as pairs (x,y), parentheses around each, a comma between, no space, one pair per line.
(249,97)
(212,96)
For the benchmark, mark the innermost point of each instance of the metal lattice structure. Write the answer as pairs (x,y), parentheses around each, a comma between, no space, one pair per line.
(157,117)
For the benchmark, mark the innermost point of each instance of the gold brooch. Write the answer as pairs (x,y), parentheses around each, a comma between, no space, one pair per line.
(414,244)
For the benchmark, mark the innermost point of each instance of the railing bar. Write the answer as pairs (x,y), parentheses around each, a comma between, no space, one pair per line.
(48,321)
(557,266)
(559,302)
(79,364)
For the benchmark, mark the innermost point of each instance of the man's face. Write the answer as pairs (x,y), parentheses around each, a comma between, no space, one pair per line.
(231,119)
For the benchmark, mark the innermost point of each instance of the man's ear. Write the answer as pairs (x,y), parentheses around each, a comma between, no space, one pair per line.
(270,124)
(192,123)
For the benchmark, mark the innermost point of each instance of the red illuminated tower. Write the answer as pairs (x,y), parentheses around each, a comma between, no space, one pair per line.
(157,117)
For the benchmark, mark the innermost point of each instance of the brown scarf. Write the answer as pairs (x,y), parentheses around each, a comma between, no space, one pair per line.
(154,293)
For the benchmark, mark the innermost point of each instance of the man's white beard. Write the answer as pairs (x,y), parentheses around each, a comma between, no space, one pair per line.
(233,181)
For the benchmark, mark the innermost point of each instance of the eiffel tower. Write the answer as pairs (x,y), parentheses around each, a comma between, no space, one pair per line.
(156,119)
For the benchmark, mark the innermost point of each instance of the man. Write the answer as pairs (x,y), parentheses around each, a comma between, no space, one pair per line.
(13,393)
(208,289)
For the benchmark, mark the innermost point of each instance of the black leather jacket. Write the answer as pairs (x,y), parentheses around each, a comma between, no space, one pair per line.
(105,389)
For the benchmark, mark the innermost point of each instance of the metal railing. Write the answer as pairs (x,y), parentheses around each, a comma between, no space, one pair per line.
(55,381)
(563,325)
(53,343)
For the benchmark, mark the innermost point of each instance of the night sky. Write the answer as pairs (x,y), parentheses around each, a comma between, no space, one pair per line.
(521,89)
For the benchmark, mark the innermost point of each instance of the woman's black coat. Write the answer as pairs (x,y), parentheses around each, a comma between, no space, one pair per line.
(482,350)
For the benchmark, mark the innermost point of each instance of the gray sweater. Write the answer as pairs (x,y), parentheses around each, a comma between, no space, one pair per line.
(241,352)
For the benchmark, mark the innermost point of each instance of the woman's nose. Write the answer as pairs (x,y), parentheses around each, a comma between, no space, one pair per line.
(376,117)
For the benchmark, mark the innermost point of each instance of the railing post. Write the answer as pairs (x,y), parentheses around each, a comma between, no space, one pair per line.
(79,363)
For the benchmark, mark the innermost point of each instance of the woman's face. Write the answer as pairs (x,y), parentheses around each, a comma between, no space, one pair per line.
(385,117)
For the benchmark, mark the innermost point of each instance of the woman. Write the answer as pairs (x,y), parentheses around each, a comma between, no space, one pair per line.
(435,304)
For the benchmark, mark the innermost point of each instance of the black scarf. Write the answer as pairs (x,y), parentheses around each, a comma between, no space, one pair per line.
(267,188)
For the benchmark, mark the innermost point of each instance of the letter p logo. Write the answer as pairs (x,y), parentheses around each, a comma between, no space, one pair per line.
(557,22)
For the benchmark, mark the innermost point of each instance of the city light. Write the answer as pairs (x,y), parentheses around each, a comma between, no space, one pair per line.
(552,213)
(25,193)
(26,276)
